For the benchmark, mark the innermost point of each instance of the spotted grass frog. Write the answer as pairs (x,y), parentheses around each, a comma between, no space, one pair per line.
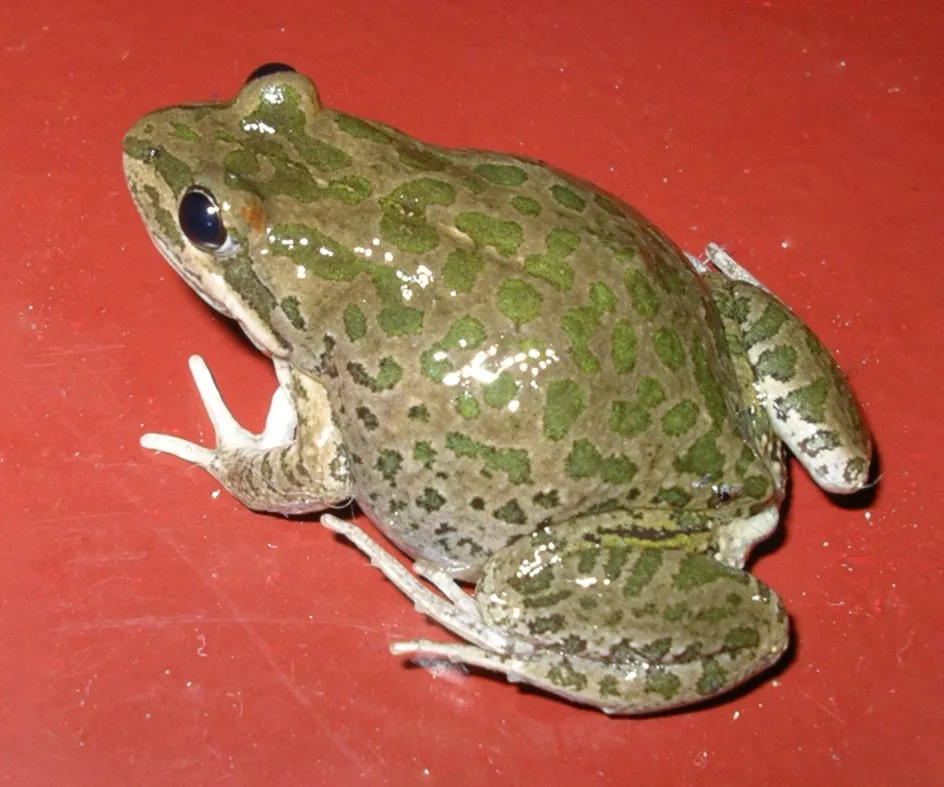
(521,380)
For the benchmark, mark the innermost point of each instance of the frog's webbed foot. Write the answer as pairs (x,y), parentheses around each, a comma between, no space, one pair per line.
(269,471)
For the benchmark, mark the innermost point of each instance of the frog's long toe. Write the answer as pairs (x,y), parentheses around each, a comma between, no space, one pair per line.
(463,619)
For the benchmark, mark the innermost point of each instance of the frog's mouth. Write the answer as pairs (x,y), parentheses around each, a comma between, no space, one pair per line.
(213,289)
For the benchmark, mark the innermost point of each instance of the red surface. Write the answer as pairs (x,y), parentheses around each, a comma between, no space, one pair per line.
(152,632)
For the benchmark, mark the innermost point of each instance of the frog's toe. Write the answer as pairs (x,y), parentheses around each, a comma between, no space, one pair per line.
(460,617)
(229,433)
(726,264)
(182,449)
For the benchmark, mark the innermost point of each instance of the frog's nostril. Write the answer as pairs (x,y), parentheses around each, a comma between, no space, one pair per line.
(268,68)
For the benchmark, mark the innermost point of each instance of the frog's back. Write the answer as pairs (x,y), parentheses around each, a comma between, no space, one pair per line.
(513,323)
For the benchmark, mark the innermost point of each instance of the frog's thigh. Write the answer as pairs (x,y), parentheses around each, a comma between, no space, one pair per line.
(296,464)
(810,404)
(629,628)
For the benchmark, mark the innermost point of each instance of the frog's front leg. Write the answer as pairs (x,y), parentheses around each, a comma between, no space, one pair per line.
(629,629)
(296,464)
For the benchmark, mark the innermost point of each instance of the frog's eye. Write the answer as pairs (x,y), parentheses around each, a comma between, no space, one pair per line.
(268,68)
(200,219)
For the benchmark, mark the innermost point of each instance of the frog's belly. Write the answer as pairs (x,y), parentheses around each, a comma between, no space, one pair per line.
(421,544)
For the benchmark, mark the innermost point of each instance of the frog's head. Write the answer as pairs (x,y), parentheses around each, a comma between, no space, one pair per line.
(205,177)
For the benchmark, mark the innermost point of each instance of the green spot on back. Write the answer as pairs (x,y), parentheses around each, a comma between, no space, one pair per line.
(319,254)
(680,418)
(553,266)
(395,318)
(500,392)
(669,348)
(389,373)
(404,214)
(702,459)
(485,230)
(585,461)
(546,499)
(526,206)
(673,496)
(502,174)
(641,293)
(624,347)
(466,333)
(513,462)
(579,325)
(602,299)
(631,418)
(462,269)
(467,406)
(568,198)
(367,417)
(564,403)
(618,469)
(519,301)
(355,323)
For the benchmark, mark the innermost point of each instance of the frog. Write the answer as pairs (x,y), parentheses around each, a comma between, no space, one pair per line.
(577,431)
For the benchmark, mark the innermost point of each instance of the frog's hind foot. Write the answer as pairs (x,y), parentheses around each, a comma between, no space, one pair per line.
(456,612)
(717,258)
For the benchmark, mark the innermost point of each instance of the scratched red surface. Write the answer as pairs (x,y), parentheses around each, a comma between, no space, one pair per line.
(153,632)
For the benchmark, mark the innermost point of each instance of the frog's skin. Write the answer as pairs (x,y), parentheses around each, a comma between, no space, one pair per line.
(520,380)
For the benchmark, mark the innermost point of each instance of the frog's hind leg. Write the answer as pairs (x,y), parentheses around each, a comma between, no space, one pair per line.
(629,630)
(296,464)
(810,405)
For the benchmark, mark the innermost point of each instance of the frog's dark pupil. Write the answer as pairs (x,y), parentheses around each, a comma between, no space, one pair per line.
(268,68)
(200,220)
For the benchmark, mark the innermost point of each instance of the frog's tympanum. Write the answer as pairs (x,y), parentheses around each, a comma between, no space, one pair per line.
(522,382)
